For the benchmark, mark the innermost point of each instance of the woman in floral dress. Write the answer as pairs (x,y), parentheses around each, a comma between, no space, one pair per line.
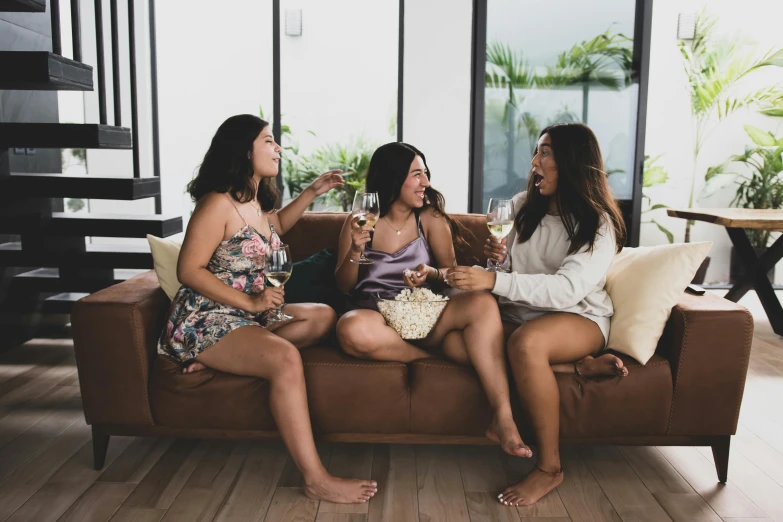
(217,316)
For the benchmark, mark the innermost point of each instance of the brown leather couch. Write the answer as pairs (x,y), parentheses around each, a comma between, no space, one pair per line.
(689,393)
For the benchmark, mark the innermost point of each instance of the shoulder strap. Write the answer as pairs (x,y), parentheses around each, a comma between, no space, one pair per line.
(417,213)
(235,208)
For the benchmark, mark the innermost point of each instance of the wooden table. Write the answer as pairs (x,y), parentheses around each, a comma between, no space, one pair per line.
(756,268)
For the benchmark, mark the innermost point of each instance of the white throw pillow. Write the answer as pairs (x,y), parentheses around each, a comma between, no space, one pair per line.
(165,253)
(644,284)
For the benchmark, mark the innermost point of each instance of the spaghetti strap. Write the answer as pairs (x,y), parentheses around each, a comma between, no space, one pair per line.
(235,208)
(417,213)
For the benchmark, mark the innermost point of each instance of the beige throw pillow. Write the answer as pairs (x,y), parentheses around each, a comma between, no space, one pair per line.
(644,284)
(165,253)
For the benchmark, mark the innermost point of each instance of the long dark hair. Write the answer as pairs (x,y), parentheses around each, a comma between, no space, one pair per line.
(583,196)
(227,168)
(388,170)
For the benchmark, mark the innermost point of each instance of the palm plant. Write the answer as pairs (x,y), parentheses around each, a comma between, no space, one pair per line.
(510,71)
(762,187)
(654,175)
(605,59)
(715,67)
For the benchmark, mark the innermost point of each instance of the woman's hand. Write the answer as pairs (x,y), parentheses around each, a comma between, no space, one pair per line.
(495,249)
(270,297)
(469,278)
(327,181)
(360,236)
(418,275)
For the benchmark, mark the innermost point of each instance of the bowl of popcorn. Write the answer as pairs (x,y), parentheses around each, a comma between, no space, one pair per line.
(412,313)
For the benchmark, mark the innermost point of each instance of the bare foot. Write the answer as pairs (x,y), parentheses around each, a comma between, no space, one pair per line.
(503,430)
(530,489)
(606,364)
(341,491)
(195,366)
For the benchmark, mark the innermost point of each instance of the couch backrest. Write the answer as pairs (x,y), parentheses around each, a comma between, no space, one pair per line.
(318,230)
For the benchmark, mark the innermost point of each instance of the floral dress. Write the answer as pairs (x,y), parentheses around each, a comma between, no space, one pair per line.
(197,322)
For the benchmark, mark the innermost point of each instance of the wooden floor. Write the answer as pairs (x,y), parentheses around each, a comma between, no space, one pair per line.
(46,469)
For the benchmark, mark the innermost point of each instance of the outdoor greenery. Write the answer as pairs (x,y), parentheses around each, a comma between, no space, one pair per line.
(760,183)
(299,170)
(603,60)
(715,66)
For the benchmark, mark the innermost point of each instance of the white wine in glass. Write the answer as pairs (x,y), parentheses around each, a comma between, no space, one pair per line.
(278,279)
(277,269)
(500,220)
(366,208)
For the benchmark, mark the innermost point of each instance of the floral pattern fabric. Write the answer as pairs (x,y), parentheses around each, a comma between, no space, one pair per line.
(197,322)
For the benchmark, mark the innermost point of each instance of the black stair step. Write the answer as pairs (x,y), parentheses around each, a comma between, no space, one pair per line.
(43,71)
(61,303)
(110,225)
(77,186)
(97,255)
(23,6)
(64,135)
(49,280)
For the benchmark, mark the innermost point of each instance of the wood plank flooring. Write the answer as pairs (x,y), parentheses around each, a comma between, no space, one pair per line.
(46,469)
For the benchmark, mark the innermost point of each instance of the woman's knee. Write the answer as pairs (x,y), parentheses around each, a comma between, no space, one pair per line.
(527,345)
(481,306)
(284,359)
(355,336)
(323,317)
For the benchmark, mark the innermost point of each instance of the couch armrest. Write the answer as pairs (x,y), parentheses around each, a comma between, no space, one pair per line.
(707,342)
(115,334)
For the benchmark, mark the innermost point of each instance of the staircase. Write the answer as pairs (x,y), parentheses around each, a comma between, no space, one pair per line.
(60,264)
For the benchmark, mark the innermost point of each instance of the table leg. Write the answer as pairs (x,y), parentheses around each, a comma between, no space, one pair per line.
(755,277)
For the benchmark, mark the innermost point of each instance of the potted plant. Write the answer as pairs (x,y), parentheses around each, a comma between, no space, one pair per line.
(716,67)
(759,185)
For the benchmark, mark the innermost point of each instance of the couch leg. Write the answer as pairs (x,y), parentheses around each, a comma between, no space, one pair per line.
(720,452)
(100,444)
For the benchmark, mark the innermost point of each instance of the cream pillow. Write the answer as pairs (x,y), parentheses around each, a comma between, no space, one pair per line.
(165,253)
(644,284)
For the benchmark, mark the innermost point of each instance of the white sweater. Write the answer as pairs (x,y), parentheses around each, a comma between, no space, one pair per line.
(545,278)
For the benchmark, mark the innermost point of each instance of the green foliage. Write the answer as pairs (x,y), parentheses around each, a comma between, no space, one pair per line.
(352,158)
(760,185)
(300,170)
(715,67)
(605,59)
(653,175)
(75,205)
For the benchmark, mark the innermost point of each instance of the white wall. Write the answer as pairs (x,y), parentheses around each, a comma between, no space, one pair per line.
(436,94)
(668,116)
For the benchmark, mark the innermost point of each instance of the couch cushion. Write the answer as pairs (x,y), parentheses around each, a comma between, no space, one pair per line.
(207,399)
(447,399)
(638,404)
(348,395)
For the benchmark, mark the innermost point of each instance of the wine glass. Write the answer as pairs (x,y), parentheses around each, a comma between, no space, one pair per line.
(277,270)
(365,207)
(500,219)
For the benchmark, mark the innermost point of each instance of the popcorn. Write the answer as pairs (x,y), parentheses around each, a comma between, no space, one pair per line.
(413,313)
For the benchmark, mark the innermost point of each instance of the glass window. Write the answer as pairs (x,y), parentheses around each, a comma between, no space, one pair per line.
(338,84)
(551,62)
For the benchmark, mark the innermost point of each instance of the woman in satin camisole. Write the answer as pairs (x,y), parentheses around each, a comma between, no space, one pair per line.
(413,246)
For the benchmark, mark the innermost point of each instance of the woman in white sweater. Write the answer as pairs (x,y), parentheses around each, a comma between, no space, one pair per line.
(553,303)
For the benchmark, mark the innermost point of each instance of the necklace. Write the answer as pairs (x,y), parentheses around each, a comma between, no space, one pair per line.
(405,224)
(257,207)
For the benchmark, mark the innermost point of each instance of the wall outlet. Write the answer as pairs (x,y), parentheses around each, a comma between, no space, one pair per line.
(31,152)
(19,151)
